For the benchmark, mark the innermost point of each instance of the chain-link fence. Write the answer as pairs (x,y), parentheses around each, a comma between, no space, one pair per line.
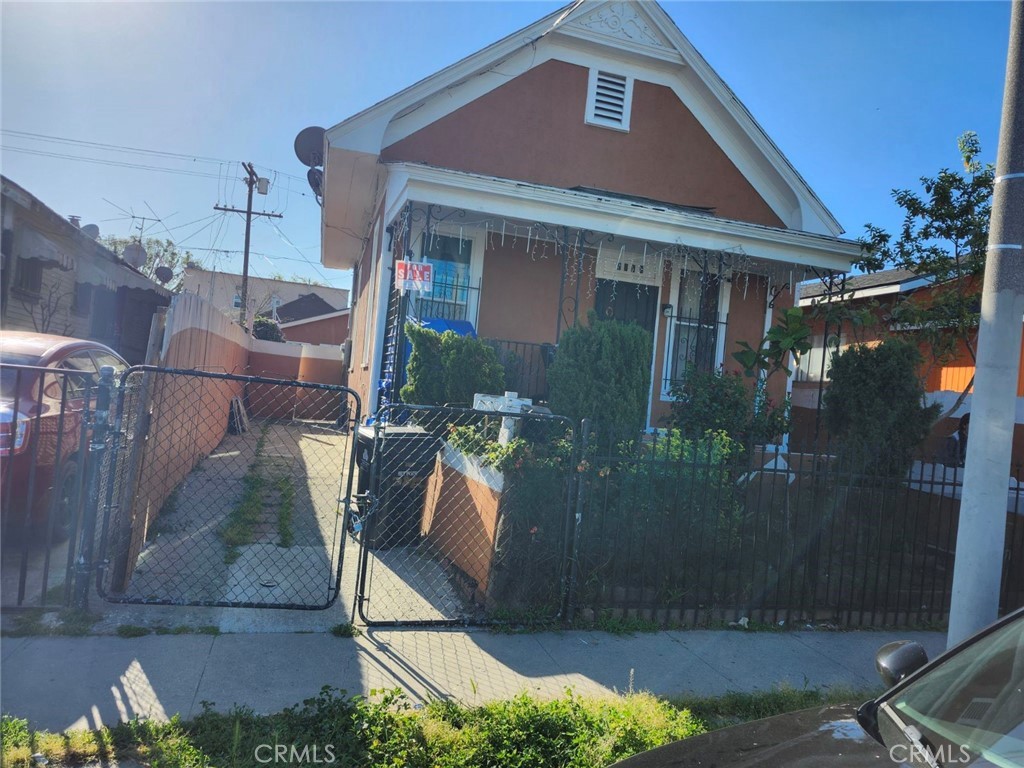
(226,490)
(466,518)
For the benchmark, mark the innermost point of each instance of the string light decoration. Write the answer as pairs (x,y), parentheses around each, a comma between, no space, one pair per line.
(580,251)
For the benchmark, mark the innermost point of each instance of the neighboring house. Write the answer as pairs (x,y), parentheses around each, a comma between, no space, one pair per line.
(265,295)
(55,278)
(943,382)
(312,320)
(591,161)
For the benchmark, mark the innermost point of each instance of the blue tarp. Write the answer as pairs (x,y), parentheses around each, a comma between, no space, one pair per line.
(439,324)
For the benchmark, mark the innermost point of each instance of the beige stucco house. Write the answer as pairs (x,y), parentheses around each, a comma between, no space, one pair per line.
(224,291)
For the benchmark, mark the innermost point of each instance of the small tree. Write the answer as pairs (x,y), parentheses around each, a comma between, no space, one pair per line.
(944,238)
(159,253)
(448,368)
(267,329)
(874,406)
(602,371)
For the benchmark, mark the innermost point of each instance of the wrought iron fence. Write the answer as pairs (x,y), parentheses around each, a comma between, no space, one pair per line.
(467,517)
(526,365)
(45,427)
(697,531)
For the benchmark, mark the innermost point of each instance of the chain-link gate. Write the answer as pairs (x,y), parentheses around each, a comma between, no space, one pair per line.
(225,490)
(466,517)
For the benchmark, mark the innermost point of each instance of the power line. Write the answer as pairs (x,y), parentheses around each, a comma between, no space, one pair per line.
(112,163)
(112,147)
(138,150)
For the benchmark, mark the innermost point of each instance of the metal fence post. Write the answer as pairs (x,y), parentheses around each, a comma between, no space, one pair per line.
(581,486)
(97,453)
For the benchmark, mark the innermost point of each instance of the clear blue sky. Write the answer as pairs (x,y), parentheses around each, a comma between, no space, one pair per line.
(862,97)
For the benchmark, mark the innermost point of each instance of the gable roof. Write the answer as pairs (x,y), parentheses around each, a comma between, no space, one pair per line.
(306,306)
(633,29)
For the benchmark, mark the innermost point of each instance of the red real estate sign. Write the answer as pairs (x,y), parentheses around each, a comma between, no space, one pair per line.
(414,276)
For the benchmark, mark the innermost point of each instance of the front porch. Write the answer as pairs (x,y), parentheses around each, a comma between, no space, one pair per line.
(519,281)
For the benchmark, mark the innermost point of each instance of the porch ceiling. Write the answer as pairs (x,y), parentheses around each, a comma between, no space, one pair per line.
(627,220)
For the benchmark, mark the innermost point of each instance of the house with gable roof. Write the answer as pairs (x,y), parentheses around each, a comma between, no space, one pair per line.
(592,161)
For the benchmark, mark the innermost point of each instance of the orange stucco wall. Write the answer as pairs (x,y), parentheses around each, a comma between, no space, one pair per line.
(331,330)
(532,128)
(460,517)
(519,292)
(273,401)
(189,419)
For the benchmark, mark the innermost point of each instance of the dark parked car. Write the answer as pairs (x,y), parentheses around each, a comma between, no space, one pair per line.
(33,426)
(964,708)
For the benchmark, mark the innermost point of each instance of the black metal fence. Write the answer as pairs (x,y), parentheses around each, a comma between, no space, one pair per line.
(467,518)
(45,427)
(691,532)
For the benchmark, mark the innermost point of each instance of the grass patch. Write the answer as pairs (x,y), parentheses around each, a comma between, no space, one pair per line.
(285,509)
(69,623)
(240,527)
(347,629)
(133,630)
(386,729)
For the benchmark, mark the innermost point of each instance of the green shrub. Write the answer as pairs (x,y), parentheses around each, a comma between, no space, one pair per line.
(267,329)
(717,401)
(448,368)
(710,401)
(874,407)
(602,371)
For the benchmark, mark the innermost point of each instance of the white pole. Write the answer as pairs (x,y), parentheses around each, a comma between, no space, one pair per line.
(980,539)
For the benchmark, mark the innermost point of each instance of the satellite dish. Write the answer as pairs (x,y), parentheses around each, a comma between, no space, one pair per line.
(309,146)
(134,254)
(91,231)
(315,177)
(163,274)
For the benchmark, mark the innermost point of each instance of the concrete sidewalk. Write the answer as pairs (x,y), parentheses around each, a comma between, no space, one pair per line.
(60,683)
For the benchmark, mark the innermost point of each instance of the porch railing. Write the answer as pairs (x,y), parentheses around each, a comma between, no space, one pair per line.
(526,365)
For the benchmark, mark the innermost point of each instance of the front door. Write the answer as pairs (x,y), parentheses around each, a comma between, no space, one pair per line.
(617,300)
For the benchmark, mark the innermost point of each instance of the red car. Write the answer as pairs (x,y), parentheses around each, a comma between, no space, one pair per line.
(31,429)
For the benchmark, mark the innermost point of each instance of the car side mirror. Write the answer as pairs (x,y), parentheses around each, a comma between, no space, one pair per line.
(895,661)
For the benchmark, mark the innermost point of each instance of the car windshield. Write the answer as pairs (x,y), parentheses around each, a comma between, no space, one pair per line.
(9,376)
(970,709)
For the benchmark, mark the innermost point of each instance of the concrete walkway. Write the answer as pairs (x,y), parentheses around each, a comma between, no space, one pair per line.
(60,683)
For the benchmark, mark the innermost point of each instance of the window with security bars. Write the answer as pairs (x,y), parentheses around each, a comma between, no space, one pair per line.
(449,297)
(609,99)
(695,324)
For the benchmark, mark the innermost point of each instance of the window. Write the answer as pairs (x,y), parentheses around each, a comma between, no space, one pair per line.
(815,364)
(30,276)
(83,299)
(451,259)
(236,302)
(695,325)
(609,99)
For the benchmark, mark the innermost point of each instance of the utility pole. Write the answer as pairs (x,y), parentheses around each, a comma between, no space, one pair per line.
(251,181)
(978,569)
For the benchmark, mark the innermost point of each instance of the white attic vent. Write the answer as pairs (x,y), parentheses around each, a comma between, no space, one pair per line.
(609,98)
